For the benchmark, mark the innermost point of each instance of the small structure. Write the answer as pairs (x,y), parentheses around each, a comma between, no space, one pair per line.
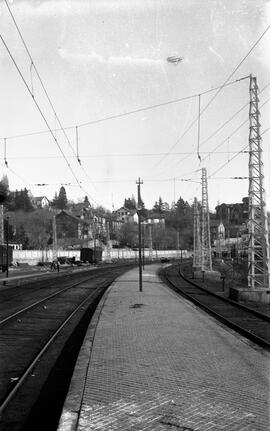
(155,219)
(69,226)
(126,215)
(40,202)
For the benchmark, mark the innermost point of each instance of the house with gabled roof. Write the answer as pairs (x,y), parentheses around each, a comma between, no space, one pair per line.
(70,226)
(126,215)
(40,202)
(155,219)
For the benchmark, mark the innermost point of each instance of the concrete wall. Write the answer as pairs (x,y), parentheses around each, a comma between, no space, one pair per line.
(32,257)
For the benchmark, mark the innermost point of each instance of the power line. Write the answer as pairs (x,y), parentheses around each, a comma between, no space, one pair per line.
(38,75)
(117,155)
(218,130)
(116,116)
(236,130)
(228,137)
(237,154)
(44,88)
(221,87)
(43,116)
(192,123)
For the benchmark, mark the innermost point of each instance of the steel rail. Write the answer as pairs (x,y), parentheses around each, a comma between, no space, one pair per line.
(263,316)
(249,335)
(34,304)
(43,350)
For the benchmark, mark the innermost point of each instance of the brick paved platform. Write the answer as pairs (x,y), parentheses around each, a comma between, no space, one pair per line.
(153,361)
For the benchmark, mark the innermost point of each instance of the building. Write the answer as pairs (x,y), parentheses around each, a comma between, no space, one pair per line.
(233,219)
(40,202)
(126,215)
(233,214)
(155,219)
(70,226)
(81,210)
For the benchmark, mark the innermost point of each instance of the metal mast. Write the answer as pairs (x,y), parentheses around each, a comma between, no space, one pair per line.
(2,236)
(197,257)
(258,248)
(206,262)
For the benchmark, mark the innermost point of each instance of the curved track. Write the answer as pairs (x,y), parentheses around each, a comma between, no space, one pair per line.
(34,328)
(250,323)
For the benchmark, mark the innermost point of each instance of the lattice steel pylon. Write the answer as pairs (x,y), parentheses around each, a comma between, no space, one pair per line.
(258,247)
(197,256)
(206,257)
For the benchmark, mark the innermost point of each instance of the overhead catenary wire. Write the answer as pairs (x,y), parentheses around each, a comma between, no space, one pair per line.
(199,127)
(236,130)
(228,137)
(44,118)
(116,155)
(193,123)
(220,128)
(33,67)
(121,115)
(5,152)
(220,88)
(235,155)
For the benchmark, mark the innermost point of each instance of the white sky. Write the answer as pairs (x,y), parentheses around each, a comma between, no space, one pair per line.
(102,58)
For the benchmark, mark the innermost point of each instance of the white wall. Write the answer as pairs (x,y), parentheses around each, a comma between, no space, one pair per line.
(32,257)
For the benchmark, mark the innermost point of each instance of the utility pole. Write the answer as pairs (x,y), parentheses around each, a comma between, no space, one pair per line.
(150,242)
(54,238)
(206,262)
(197,256)
(258,247)
(177,243)
(139,208)
(109,246)
(2,241)
(7,260)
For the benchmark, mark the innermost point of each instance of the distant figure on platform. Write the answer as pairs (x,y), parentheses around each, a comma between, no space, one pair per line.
(58,266)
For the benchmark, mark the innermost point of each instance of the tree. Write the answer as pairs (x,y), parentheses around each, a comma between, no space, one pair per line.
(19,201)
(181,219)
(128,235)
(60,200)
(4,190)
(158,207)
(130,203)
(33,229)
(20,236)
(86,201)
(164,238)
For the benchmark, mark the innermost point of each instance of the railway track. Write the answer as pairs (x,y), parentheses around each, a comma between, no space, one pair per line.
(252,324)
(36,326)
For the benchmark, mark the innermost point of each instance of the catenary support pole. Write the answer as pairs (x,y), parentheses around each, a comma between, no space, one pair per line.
(258,247)
(139,208)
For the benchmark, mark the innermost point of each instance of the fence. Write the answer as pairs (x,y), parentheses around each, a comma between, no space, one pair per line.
(32,257)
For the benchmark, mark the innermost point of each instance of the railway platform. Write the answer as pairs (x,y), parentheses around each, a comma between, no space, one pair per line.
(153,361)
